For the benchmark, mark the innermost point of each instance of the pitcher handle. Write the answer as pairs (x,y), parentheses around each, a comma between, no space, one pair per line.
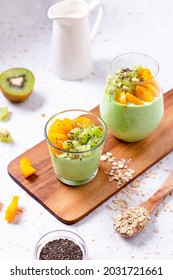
(92,5)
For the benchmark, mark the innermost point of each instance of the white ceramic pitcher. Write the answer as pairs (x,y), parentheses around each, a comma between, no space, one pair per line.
(71,57)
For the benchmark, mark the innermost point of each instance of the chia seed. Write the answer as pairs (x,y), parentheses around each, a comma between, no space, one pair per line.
(61,249)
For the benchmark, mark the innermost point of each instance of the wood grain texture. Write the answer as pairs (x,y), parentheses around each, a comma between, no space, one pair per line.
(166,188)
(71,204)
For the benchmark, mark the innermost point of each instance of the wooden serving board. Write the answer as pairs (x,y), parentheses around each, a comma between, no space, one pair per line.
(71,204)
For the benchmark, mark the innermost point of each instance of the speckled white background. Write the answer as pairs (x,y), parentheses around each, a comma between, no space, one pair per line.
(25,41)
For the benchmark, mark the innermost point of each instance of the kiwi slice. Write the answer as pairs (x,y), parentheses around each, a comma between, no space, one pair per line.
(17,84)
(4,113)
(5,136)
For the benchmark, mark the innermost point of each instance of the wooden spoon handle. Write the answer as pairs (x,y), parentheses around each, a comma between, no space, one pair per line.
(159,195)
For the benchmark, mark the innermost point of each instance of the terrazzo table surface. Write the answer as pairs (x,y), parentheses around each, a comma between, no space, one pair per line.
(25,41)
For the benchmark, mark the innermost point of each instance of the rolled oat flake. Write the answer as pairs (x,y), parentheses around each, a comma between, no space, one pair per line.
(61,249)
(131,221)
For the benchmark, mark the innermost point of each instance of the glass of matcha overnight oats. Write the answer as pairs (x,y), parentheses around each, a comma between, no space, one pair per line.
(132,105)
(75,140)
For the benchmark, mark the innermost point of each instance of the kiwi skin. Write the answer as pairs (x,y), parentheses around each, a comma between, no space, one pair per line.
(16,95)
(15,98)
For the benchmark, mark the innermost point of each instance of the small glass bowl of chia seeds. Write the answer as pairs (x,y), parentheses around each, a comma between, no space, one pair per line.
(60,245)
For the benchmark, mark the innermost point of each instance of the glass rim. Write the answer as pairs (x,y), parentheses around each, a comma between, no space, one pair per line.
(60,234)
(77,152)
(136,53)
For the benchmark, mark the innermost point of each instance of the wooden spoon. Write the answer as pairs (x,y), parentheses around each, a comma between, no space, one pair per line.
(121,225)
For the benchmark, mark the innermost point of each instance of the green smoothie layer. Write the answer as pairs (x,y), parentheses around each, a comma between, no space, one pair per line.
(78,169)
(131,123)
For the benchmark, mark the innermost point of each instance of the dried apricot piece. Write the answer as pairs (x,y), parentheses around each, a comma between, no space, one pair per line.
(61,126)
(155,84)
(154,91)
(143,94)
(82,121)
(57,127)
(145,75)
(68,124)
(53,150)
(26,167)
(121,97)
(11,210)
(133,99)
(57,139)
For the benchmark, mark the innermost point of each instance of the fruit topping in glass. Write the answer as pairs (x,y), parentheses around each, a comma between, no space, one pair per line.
(132,85)
(78,135)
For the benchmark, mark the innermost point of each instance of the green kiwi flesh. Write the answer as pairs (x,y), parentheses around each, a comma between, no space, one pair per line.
(4,113)
(17,84)
(5,136)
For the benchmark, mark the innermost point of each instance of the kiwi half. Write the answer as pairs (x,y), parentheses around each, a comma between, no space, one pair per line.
(17,84)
